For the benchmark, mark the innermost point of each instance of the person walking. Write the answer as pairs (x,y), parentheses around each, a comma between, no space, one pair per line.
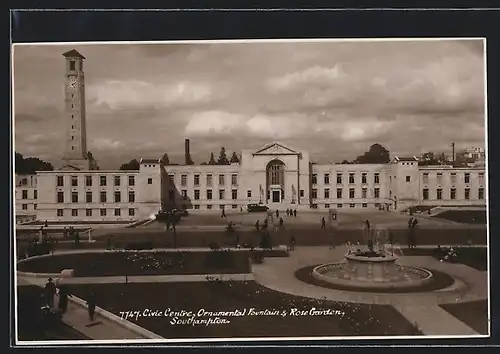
(295,213)
(277,213)
(281,223)
(49,292)
(91,305)
(63,299)
(292,243)
(257,225)
(323,223)
(223,213)
(414,238)
(410,232)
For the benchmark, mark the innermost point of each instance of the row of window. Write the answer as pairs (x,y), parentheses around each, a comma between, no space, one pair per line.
(103,197)
(453,177)
(352,193)
(453,193)
(24,194)
(102,212)
(351,178)
(103,181)
(209,179)
(25,206)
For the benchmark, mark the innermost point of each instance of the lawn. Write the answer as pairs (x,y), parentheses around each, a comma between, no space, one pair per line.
(344,319)
(474,314)
(439,281)
(33,325)
(475,257)
(145,263)
(464,216)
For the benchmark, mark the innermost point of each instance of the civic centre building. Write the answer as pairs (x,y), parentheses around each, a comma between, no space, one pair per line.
(276,175)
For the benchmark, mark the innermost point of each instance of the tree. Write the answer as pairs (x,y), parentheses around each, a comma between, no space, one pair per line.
(222,157)
(93,162)
(345,162)
(234,158)
(376,154)
(462,158)
(29,165)
(212,159)
(428,159)
(131,165)
(165,160)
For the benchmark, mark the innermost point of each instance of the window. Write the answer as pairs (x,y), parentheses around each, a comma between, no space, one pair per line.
(196,180)
(74,212)
(60,181)
(327,193)
(72,65)
(74,197)
(408,178)
(35,194)
(184,180)
(376,193)
(453,177)
(453,193)
(131,212)
(171,179)
(439,194)
(118,197)
(314,179)
(197,194)
(102,181)
(351,178)
(363,193)
(339,193)
(88,181)
(339,178)
(376,178)
(351,193)
(60,212)
(481,177)
(74,181)
(88,212)
(314,193)
(352,205)
(363,178)
(209,207)
(221,180)
(60,197)
(103,212)
(103,197)
(234,206)
(467,193)
(221,194)
(88,197)
(197,206)
(439,178)
(209,180)
(150,181)
(72,137)
(234,179)
(25,194)
(327,206)
(209,194)
(234,194)
(131,197)
(117,212)
(339,205)
(25,206)
(327,178)
(301,193)
(425,178)
(249,193)
(467,178)
(131,181)
(364,205)
(117,181)
(480,193)
(425,194)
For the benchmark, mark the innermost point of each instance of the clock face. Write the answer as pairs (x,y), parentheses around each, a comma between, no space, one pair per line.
(72,84)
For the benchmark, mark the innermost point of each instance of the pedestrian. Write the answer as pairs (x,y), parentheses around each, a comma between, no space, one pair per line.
(46,224)
(281,223)
(414,226)
(91,306)
(223,213)
(63,299)
(49,292)
(257,225)
(287,212)
(277,213)
(323,223)
(292,243)
(266,224)
(411,231)
(65,232)
(295,213)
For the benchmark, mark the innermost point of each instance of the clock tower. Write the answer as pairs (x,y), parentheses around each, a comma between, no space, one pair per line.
(75,152)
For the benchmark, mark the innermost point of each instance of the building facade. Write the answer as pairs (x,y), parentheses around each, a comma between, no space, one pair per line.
(276,175)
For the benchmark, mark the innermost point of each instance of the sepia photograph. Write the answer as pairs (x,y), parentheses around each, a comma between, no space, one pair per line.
(224,191)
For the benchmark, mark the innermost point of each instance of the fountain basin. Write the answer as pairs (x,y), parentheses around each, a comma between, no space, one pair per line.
(374,270)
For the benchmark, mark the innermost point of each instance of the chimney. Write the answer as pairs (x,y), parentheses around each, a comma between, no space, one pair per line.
(187,154)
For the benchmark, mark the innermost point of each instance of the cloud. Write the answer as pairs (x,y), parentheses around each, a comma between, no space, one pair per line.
(107,144)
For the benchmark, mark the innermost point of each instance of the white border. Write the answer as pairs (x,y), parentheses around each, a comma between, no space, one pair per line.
(250,339)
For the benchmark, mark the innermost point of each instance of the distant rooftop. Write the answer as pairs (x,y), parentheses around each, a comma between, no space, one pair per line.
(413,158)
(73,54)
(150,161)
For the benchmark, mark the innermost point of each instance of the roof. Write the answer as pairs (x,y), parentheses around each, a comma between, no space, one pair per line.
(413,158)
(73,54)
(150,161)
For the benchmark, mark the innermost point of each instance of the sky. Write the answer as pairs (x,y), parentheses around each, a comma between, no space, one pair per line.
(333,99)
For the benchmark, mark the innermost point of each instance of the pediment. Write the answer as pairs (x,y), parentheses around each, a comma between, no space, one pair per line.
(69,168)
(276,149)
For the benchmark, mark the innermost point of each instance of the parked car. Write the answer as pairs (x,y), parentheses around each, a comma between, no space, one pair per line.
(257,208)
